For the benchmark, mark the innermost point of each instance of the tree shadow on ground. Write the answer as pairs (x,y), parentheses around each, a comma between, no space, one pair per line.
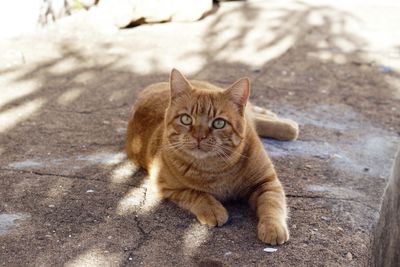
(62,162)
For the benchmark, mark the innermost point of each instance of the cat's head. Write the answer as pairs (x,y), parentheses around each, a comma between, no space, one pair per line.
(203,122)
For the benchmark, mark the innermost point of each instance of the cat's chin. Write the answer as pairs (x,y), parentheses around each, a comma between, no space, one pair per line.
(199,153)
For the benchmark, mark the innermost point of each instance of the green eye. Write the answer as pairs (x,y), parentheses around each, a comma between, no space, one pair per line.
(219,123)
(186,119)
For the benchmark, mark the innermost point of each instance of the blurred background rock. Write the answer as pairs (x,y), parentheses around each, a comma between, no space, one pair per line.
(19,17)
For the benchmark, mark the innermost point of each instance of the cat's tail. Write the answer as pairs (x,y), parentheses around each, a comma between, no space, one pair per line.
(268,124)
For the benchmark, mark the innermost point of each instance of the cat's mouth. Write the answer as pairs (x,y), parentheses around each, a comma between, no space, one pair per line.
(198,148)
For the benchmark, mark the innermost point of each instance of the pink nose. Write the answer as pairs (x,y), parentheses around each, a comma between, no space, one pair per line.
(199,135)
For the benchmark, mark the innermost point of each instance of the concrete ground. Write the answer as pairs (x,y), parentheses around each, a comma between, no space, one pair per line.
(68,196)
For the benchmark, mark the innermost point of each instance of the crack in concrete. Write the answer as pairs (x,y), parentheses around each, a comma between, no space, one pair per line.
(63,176)
(144,235)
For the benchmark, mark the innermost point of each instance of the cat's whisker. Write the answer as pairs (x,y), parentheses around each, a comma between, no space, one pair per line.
(221,156)
(173,145)
(230,150)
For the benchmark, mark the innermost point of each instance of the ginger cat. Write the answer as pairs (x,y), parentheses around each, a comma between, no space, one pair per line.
(201,143)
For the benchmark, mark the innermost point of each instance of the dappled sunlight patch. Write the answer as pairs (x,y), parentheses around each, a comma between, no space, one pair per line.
(132,201)
(343,154)
(120,95)
(57,191)
(84,77)
(11,117)
(329,56)
(239,41)
(10,220)
(152,197)
(68,64)
(29,163)
(142,199)
(94,258)
(105,158)
(194,236)
(24,88)
(69,96)
(345,45)
(145,61)
(123,173)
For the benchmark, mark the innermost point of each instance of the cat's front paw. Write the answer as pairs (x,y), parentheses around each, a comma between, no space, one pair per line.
(273,231)
(214,215)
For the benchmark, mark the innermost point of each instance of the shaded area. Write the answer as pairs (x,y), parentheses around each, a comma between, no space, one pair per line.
(64,113)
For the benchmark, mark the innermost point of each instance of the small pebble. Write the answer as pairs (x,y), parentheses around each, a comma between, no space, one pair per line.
(366,169)
(321,156)
(349,256)
(325,218)
(130,258)
(270,250)
(90,191)
(51,206)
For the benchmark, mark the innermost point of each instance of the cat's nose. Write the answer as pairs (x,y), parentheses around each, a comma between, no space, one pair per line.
(199,135)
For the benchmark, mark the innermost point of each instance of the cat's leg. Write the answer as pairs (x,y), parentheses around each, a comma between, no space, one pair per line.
(268,199)
(207,209)
(270,125)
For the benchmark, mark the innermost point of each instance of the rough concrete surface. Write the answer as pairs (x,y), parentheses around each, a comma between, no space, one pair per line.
(68,197)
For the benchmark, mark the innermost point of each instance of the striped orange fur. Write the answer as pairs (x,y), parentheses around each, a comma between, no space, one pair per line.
(203,141)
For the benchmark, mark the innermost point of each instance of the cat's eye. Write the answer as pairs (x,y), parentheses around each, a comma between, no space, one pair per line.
(219,123)
(186,119)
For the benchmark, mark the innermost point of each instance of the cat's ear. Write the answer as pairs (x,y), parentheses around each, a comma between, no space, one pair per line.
(178,83)
(239,93)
